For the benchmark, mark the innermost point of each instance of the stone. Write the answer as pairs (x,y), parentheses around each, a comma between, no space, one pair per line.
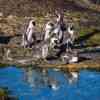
(1,14)
(74,59)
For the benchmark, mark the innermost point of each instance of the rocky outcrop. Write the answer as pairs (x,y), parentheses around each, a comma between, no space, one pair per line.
(27,57)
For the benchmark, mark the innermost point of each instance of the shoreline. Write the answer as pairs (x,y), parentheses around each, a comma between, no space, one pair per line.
(26,59)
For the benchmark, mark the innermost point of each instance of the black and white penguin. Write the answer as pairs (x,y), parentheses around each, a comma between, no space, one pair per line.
(29,37)
(48,30)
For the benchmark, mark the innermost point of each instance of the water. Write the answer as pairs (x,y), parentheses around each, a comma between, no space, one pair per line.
(30,84)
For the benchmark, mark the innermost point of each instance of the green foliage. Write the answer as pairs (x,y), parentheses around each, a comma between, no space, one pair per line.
(2,92)
(94,40)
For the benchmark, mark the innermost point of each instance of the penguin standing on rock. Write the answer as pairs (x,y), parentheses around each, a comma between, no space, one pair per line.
(69,40)
(29,38)
(59,26)
(48,30)
(71,32)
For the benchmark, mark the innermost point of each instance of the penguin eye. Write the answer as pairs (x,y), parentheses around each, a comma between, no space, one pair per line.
(72,28)
(51,24)
(34,23)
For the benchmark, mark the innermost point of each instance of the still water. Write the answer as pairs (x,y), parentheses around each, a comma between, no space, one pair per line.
(35,84)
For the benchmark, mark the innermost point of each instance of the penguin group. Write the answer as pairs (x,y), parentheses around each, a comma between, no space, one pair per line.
(54,37)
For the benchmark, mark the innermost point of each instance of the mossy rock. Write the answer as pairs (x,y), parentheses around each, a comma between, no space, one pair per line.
(94,40)
(2,92)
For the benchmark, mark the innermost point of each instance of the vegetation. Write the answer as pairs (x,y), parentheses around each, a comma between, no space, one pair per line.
(4,95)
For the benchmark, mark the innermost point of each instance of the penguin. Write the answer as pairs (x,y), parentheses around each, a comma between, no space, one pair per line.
(29,37)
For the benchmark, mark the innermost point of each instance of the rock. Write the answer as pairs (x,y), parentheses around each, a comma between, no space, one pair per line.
(74,59)
(11,17)
(70,57)
(1,14)
(16,40)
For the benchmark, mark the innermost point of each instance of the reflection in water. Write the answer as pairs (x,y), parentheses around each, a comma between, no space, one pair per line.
(49,84)
(73,77)
(40,77)
(28,76)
